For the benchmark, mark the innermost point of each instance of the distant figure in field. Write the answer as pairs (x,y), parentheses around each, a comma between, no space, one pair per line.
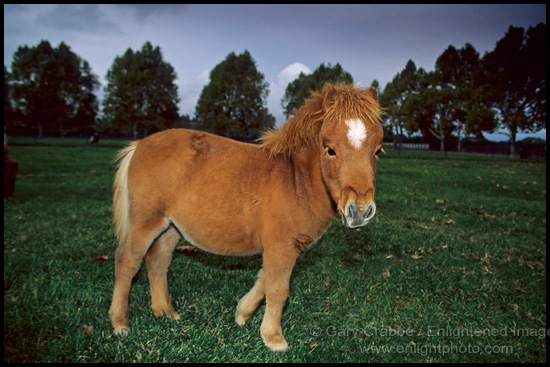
(94,139)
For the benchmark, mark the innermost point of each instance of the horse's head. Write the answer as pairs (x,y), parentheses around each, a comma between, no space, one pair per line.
(350,141)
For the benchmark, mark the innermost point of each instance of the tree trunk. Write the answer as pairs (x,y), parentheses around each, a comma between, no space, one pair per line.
(400,139)
(458,135)
(513,153)
(442,136)
(513,134)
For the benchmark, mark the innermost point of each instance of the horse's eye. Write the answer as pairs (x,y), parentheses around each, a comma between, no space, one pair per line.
(331,152)
(378,152)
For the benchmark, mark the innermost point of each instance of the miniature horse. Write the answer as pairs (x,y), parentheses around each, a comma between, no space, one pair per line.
(233,198)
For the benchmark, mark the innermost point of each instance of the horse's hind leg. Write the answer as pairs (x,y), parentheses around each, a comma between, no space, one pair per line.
(248,304)
(127,261)
(158,259)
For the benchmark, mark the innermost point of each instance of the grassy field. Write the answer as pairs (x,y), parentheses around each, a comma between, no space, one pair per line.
(452,269)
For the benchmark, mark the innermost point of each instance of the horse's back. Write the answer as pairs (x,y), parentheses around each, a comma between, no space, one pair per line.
(181,157)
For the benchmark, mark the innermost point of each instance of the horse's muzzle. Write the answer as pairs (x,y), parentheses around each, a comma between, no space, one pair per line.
(359,215)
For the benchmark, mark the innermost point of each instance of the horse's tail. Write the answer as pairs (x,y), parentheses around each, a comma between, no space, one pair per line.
(121,197)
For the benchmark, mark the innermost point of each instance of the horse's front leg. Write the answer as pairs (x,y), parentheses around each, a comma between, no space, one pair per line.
(277,267)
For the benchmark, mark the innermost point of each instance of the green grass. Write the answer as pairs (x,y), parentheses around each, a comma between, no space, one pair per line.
(452,269)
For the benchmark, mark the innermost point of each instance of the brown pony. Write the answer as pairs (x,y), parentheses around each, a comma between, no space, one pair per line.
(232,198)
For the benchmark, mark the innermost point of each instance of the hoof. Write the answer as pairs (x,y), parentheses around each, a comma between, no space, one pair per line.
(276,343)
(171,314)
(121,330)
(239,319)
(241,316)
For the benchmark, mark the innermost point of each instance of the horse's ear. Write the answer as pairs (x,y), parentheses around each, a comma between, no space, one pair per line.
(328,96)
(373,93)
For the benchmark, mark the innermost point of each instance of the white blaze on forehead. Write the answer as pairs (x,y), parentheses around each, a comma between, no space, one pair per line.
(356,133)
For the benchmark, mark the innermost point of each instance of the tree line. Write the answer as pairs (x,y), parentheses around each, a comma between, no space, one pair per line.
(54,91)
(467,94)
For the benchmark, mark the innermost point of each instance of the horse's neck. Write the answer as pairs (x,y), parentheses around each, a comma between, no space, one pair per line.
(309,184)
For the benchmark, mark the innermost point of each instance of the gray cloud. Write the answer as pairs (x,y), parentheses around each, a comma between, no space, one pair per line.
(146,11)
(69,17)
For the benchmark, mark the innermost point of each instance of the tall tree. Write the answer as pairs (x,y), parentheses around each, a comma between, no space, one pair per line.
(397,99)
(141,92)
(458,77)
(475,115)
(516,70)
(233,103)
(53,87)
(7,105)
(298,90)
(440,103)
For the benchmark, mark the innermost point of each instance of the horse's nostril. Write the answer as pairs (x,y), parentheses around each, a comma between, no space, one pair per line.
(371,209)
(370,212)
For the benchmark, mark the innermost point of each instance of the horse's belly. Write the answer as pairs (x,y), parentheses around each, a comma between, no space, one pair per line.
(220,237)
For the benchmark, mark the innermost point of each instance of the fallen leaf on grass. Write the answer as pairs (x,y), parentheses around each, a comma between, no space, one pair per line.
(486,260)
(441,200)
(89,330)
(186,250)
(485,214)
(530,264)
(100,258)
(425,227)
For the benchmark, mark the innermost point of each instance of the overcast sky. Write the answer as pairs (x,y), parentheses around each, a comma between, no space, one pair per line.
(369,41)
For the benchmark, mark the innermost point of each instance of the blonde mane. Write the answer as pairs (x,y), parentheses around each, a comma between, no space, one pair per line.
(335,102)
